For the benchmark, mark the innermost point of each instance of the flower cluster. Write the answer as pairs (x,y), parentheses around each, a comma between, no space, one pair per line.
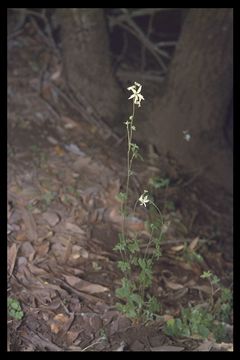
(186,135)
(136,93)
(144,198)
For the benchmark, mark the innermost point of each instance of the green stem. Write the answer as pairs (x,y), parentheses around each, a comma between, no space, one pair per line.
(152,203)
(129,161)
(129,165)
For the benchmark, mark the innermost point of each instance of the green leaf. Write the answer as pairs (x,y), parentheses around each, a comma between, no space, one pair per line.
(145,278)
(134,147)
(15,305)
(119,247)
(215,280)
(136,298)
(127,288)
(157,253)
(122,244)
(153,305)
(14,309)
(144,264)
(133,260)
(170,205)
(226,295)
(124,266)
(203,331)
(206,274)
(159,183)
(121,197)
(133,246)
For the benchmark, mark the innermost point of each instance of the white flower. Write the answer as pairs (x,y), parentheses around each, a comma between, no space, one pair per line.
(186,135)
(144,198)
(136,93)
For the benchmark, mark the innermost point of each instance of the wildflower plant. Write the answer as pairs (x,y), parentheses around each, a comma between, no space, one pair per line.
(207,320)
(137,265)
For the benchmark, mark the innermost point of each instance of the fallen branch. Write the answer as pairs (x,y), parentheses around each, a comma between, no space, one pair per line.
(130,25)
(116,20)
(136,32)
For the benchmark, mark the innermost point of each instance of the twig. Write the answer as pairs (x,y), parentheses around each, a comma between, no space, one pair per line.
(95,116)
(121,57)
(166,43)
(177,241)
(80,294)
(40,92)
(143,50)
(38,340)
(28,12)
(135,31)
(95,343)
(128,75)
(47,39)
(211,210)
(50,106)
(115,20)
(194,177)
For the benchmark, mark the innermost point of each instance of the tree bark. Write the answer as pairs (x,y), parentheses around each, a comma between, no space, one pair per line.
(87,61)
(198,96)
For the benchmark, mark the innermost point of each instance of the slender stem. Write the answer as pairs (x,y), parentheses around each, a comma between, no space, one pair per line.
(129,165)
(129,133)
(149,243)
(134,208)
(156,207)
(212,299)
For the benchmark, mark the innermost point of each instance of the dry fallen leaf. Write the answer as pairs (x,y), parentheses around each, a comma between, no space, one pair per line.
(121,346)
(9,210)
(172,285)
(205,346)
(193,244)
(84,286)
(58,322)
(74,228)
(43,248)
(27,250)
(31,228)
(223,347)
(59,151)
(69,123)
(57,73)
(11,257)
(51,218)
(21,236)
(205,288)
(167,317)
(72,336)
(177,247)
(79,251)
(167,348)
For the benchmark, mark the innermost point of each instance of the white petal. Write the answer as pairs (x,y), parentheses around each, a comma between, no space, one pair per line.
(132,96)
(139,89)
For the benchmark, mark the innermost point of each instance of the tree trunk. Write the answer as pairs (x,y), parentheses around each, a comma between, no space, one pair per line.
(198,97)
(87,61)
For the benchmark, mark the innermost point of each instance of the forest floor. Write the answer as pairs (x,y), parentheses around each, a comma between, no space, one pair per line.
(63,221)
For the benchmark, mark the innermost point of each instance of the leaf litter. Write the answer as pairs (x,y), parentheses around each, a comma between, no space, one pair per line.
(63,221)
